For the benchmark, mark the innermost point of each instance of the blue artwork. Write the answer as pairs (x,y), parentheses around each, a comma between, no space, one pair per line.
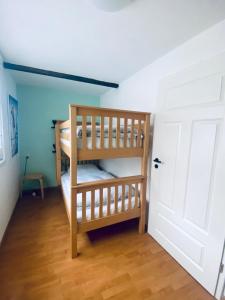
(13,123)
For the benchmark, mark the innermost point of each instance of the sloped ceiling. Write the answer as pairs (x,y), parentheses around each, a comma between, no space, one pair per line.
(74,36)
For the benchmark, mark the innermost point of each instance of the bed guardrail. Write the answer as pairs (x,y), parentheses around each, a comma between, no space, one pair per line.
(103,133)
(122,196)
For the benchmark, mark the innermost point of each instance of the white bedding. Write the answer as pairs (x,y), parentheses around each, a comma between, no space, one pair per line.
(106,137)
(98,145)
(87,173)
(106,130)
(112,209)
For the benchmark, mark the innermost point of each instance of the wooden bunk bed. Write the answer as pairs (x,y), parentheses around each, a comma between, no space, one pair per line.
(94,133)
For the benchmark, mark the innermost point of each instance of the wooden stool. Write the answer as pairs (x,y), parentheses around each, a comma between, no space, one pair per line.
(33,176)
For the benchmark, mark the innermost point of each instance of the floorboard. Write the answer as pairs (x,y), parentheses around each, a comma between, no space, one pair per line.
(114,262)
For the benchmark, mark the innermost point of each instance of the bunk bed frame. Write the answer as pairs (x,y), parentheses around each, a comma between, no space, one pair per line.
(94,117)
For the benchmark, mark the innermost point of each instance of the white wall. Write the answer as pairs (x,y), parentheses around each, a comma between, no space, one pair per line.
(140,91)
(9,169)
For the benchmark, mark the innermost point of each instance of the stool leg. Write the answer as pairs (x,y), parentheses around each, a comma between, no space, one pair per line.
(42,188)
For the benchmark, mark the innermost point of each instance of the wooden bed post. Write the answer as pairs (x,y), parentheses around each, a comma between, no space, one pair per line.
(144,171)
(73,179)
(58,153)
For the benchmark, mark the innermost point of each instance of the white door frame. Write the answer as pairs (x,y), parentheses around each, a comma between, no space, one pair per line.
(220,288)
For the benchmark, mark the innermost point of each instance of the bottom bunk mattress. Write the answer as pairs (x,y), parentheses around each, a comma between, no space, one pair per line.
(88,173)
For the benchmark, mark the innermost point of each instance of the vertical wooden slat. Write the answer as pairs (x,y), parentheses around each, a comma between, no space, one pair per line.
(139,134)
(108,201)
(83,206)
(123,197)
(110,132)
(84,132)
(136,195)
(93,132)
(125,133)
(101,203)
(58,153)
(116,198)
(73,181)
(129,196)
(102,133)
(118,133)
(73,150)
(132,134)
(144,168)
(92,204)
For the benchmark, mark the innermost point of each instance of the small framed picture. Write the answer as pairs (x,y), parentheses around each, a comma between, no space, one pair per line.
(13,124)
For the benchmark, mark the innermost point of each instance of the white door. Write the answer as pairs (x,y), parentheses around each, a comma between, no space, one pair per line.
(187,200)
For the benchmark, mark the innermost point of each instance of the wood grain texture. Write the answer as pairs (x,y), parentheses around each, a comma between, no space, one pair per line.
(118,133)
(90,154)
(115,262)
(73,181)
(102,152)
(75,154)
(65,124)
(84,132)
(102,132)
(110,132)
(86,186)
(93,132)
(109,111)
(58,155)
(144,171)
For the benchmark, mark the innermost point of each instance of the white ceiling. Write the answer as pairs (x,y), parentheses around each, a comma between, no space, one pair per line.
(73,36)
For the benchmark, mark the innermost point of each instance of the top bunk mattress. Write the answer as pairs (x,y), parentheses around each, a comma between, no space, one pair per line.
(106,131)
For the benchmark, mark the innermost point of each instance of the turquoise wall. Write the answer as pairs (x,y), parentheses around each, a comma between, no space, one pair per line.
(38,107)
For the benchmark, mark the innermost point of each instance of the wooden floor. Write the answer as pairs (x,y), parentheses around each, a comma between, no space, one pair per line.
(115,262)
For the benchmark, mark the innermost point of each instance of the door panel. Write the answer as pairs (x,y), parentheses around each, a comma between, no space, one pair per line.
(199,91)
(186,199)
(200,174)
(185,243)
(167,175)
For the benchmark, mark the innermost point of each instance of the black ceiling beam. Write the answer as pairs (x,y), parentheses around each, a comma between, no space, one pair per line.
(59,75)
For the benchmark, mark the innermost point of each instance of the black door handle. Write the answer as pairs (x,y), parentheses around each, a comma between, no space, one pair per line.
(158,161)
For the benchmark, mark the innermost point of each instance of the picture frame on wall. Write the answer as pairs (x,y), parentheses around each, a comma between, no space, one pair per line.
(13,125)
